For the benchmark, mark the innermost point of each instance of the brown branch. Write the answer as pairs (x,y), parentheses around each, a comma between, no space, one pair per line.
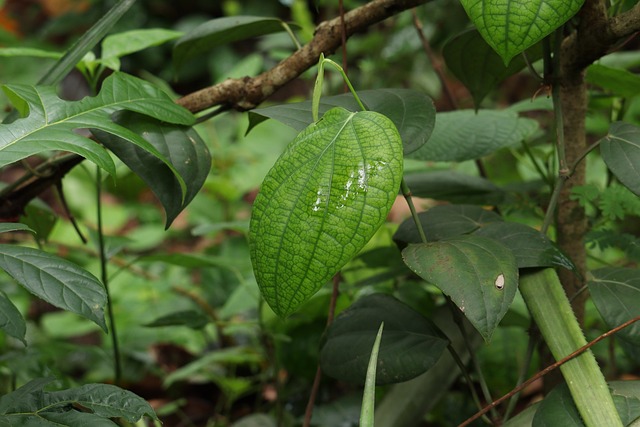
(548,369)
(246,93)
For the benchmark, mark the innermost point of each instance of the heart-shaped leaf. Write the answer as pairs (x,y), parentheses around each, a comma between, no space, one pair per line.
(620,150)
(511,26)
(11,321)
(55,280)
(530,247)
(479,274)
(180,145)
(321,203)
(411,343)
(412,112)
(616,294)
(52,123)
(443,222)
(466,135)
(478,66)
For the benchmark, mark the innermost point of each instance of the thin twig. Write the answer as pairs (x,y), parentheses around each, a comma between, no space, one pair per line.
(548,369)
(343,42)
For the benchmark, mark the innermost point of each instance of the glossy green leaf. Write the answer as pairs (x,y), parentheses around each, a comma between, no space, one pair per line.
(180,145)
(411,344)
(444,221)
(510,26)
(530,247)
(466,135)
(11,321)
(369,396)
(55,280)
(321,203)
(222,31)
(616,294)
(455,187)
(412,112)
(479,274)
(14,226)
(478,66)
(52,122)
(102,400)
(620,150)
(193,319)
(118,45)
(615,80)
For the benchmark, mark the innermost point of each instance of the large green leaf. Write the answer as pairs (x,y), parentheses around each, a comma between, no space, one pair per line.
(530,247)
(479,274)
(222,31)
(180,145)
(477,65)
(620,150)
(412,112)
(616,294)
(52,122)
(444,221)
(11,321)
(467,135)
(55,280)
(103,401)
(411,343)
(455,187)
(321,203)
(511,26)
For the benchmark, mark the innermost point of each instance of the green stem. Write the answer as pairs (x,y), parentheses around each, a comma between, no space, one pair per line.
(553,202)
(105,280)
(551,310)
(406,192)
(347,81)
(293,37)
(467,377)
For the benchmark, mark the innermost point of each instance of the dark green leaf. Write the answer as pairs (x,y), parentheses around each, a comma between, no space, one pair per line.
(616,294)
(479,274)
(411,344)
(443,222)
(14,226)
(511,26)
(55,280)
(530,247)
(467,135)
(478,66)
(193,319)
(11,321)
(619,82)
(626,395)
(40,218)
(455,187)
(558,409)
(222,31)
(180,145)
(19,399)
(412,112)
(72,418)
(322,201)
(52,123)
(620,150)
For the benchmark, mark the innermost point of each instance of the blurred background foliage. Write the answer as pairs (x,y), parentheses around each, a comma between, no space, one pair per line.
(198,342)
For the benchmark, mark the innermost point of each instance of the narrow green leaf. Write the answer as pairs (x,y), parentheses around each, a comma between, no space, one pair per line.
(180,145)
(530,247)
(128,42)
(511,26)
(222,31)
(193,319)
(369,396)
(466,135)
(55,280)
(14,226)
(11,321)
(443,222)
(619,82)
(620,150)
(52,122)
(321,203)
(411,344)
(412,112)
(557,409)
(28,51)
(479,274)
(455,187)
(478,66)
(616,294)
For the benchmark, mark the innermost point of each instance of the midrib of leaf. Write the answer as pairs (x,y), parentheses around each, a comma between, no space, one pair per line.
(331,146)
